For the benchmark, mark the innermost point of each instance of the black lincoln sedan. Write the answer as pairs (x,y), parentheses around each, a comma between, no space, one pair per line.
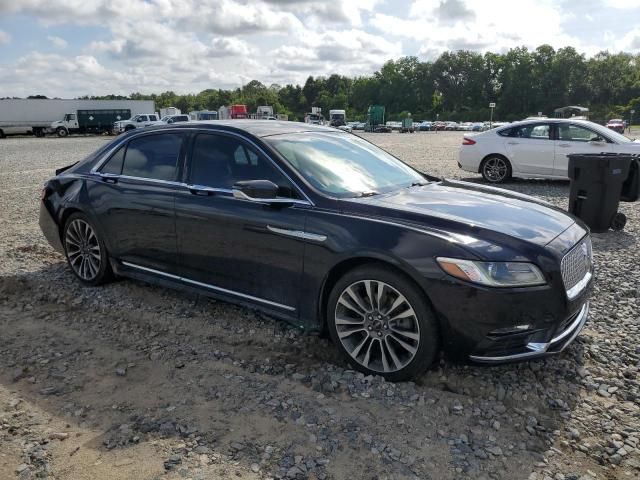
(325,230)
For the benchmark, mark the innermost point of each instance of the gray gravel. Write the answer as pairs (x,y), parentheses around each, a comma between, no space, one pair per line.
(135,381)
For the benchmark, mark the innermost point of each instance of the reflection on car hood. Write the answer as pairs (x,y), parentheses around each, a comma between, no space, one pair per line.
(486,208)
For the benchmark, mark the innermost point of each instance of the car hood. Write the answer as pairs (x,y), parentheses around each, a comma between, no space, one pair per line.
(451,205)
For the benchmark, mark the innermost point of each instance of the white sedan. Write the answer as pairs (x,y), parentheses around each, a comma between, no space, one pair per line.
(537,148)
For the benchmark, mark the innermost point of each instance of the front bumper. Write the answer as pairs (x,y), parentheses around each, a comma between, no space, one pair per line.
(533,349)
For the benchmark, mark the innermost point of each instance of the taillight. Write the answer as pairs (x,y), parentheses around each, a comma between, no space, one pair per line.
(468,141)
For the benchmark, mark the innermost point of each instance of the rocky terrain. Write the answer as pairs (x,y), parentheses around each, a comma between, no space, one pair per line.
(135,381)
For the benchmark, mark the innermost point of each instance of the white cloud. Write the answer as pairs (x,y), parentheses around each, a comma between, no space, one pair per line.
(4,37)
(57,41)
(189,45)
(492,25)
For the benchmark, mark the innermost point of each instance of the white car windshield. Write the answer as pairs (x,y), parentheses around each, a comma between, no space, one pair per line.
(342,165)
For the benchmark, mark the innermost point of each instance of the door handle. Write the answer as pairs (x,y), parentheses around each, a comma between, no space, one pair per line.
(201,190)
(564,145)
(513,143)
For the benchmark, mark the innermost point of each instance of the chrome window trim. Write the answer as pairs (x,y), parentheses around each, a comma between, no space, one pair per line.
(108,154)
(207,285)
(240,195)
(204,188)
(143,179)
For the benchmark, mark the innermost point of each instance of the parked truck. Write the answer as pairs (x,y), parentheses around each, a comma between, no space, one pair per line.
(375,119)
(138,121)
(169,111)
(315,117)
(204,115)
(34,116)
(337,118)
(88,121)
(265,112)
(238,111)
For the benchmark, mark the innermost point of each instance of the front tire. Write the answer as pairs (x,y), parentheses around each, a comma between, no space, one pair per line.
(62,132)
(496,169)
(85,251)
(382,323)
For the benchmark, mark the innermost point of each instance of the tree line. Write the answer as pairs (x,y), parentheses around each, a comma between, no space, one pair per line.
(456,86)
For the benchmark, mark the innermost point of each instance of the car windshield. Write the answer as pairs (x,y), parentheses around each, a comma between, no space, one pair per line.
(343,165)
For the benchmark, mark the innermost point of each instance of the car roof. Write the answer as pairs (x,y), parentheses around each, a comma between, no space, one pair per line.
(258,128)
(549,120)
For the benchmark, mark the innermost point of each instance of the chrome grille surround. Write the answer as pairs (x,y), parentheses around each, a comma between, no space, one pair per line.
(576,267)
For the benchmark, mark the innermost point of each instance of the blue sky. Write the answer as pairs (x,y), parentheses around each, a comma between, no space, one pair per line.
(69,48)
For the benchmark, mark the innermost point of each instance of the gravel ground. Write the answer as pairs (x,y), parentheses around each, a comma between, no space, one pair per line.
(134,381)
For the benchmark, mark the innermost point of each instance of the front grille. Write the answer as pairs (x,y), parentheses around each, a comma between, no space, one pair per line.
(577,263)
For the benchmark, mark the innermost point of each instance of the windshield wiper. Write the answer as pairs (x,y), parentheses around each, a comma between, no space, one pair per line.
(419,184)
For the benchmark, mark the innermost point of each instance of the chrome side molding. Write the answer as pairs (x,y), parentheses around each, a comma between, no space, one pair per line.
(207,285)
(314,237)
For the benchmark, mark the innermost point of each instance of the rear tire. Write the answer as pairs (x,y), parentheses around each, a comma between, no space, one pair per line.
(382,324)
(496,169)
(85,251)
(2,135)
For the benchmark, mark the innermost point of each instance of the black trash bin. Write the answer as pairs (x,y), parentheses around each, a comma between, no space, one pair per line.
(596,187)
(631,186)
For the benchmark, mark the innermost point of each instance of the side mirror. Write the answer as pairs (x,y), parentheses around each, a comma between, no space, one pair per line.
(596,139)
(139,120)
(263,191)
(170,120)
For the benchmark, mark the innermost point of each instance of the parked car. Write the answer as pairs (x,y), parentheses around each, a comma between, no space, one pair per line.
(346,128)
(537,149)
(175,118)
(617,125)
(278,216)
(477,127)
(138,121)
(465,127)
(424,126)
(451,126)
(358,125)
(438,126)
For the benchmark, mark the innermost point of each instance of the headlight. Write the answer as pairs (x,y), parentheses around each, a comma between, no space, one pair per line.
(493,274)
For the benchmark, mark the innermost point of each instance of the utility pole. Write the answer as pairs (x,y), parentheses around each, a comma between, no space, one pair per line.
(492,105)
(631,119)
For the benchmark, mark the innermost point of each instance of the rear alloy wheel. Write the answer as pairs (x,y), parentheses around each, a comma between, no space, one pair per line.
(496,169)
(382,324)
(86,253)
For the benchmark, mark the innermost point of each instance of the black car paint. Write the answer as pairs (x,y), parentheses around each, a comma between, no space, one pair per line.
(221,244)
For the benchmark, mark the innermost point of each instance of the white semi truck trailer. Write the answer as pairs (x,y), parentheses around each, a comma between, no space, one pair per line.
(35,116)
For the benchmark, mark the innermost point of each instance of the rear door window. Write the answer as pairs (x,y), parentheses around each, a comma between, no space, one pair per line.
(153,156)
(575,133)
(534,131)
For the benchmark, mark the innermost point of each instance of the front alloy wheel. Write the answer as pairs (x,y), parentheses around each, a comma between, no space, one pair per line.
(86,254)
(382,324)
(496,170)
